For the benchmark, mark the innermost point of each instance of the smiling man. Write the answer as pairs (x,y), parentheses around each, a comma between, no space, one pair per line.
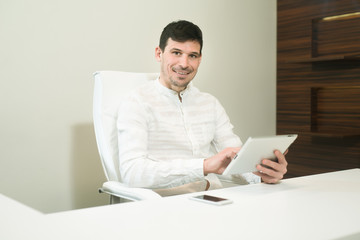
(173,138)
(179,63)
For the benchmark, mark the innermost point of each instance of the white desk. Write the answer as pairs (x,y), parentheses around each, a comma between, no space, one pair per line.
(325,206)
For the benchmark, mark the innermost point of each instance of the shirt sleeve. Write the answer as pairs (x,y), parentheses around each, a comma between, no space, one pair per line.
(137,168)
(224,134)
(225,137)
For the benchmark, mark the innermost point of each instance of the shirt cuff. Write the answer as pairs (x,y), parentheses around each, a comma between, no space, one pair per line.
(192,171)
(251,178)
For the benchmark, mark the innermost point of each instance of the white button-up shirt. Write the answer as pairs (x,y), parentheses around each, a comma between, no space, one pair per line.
(163,141)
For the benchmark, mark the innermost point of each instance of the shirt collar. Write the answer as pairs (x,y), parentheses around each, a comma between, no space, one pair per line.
(169,92)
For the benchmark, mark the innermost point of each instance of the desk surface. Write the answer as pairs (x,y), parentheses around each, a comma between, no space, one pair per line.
(324,206)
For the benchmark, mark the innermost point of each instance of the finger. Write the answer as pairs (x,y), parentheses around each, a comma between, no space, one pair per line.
(270,172)
(231,152)
(270,180)
(271,164)
(265,178)
(235,151)
(280,157)
(280,168)
(224,165)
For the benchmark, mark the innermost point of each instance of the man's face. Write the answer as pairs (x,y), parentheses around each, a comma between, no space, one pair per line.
(179,63)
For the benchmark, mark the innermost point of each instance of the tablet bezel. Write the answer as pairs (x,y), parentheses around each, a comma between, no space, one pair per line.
(256,149)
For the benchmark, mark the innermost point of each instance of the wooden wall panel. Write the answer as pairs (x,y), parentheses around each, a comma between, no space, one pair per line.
(318,83)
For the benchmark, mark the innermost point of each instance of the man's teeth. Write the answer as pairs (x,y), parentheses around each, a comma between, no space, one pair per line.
(182,73)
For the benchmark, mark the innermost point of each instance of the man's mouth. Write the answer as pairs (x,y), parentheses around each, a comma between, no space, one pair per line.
(181,72)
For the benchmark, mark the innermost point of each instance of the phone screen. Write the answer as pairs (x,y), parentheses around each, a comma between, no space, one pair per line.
(211,198)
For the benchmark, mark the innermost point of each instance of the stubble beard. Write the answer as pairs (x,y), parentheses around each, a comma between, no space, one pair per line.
(179,83)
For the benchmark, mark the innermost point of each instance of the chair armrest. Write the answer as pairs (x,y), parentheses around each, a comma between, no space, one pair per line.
(135,194)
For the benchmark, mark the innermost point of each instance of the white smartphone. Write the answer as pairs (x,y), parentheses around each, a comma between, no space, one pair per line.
(211,199)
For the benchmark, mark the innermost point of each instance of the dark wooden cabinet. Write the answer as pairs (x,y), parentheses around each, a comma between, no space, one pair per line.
(318,83)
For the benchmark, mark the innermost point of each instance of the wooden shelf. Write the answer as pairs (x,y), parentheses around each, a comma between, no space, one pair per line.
(338,135)
(350,57)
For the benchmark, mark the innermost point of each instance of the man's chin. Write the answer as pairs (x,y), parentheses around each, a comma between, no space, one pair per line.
(185,78)
(182,82)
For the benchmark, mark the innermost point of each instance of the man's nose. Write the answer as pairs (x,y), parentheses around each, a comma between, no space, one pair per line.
(184,61)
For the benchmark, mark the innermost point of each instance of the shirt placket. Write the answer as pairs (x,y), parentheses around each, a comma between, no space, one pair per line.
(187,126)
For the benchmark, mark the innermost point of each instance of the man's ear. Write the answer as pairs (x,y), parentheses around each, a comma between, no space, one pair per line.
(158,53)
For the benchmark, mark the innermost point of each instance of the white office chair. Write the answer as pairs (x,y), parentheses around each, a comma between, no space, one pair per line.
(110,88)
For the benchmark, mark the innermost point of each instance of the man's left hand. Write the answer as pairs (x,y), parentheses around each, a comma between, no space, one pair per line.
(271,171)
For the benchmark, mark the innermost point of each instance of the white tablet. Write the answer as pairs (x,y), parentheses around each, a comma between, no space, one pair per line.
(256,149)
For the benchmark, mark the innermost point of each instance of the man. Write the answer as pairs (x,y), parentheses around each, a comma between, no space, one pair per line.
(174,138)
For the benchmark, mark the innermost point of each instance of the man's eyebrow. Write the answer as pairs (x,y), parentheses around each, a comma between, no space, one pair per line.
(196,53)
(176,49)
(179,50)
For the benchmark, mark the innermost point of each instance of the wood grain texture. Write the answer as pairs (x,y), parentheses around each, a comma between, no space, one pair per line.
(318,84)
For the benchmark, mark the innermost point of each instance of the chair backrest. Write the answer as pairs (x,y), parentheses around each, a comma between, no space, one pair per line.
(110,88)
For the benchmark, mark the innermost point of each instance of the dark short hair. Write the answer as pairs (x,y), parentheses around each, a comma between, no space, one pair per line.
(181,31)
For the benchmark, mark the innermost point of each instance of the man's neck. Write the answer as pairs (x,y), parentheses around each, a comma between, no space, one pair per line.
(172,87)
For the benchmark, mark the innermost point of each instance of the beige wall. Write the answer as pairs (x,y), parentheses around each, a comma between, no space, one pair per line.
(49,50)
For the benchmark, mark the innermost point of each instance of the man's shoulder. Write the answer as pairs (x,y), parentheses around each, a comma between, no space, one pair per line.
(203,95)
(142,91)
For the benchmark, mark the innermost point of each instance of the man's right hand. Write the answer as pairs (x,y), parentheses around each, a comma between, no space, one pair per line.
(218,163)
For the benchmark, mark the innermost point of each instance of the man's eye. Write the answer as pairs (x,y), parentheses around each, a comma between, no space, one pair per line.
(193,56)
(176,53)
